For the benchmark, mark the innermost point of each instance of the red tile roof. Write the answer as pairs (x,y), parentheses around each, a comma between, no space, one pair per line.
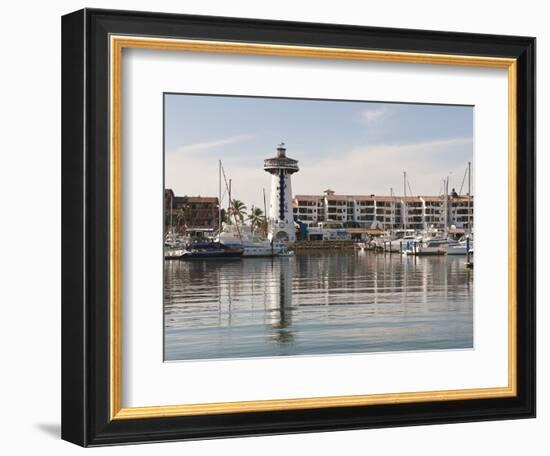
(308,197)
(381,198)
(198,199)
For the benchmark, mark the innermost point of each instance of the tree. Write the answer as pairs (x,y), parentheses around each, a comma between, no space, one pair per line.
(256,218)
(263,226)
(181,217)
(224,216)
(237,209)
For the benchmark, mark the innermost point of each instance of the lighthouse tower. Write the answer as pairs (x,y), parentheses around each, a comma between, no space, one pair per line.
(280,220)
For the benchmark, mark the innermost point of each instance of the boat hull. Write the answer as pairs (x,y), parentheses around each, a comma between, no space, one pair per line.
(209,255)
(173,254)
(255,249)
(430,251)
(457,250)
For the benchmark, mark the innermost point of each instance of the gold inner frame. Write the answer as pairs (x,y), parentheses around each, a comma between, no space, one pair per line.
(117,44)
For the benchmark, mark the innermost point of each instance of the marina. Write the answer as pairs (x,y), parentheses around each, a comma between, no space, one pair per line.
(409,225)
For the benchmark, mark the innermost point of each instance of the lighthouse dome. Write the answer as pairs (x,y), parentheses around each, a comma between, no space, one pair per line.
(281,162)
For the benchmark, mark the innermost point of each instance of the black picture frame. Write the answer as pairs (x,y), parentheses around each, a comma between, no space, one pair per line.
(85,228)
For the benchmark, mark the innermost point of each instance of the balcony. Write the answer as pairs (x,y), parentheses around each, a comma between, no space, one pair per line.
(272,165)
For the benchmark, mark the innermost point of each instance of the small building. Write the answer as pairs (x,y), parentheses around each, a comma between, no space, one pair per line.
(191,213)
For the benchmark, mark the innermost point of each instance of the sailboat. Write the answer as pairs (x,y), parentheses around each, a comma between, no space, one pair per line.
(173,248)
(465,245)
(433,242)
(241,236)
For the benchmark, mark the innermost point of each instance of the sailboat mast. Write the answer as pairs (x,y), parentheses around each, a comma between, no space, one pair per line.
(469,196)
(219,196)
(446,206)
(171,211)
(228,189)
(265,214)
(229,205)
(404,200)
(392,210)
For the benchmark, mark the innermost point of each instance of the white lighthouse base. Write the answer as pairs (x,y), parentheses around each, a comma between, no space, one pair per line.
(282,232)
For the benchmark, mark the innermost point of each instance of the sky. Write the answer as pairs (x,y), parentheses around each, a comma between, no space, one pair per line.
(357,148)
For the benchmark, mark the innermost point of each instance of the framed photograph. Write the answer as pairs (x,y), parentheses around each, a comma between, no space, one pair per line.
(277,227)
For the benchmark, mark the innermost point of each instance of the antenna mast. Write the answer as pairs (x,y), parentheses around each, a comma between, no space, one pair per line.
(405,200)
(469,197)
(265,214)
(219,196)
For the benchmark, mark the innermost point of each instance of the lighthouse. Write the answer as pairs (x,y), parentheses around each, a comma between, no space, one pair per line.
(280,219)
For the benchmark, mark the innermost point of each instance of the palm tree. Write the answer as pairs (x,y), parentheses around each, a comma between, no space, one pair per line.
(256,218)
(238,209)
(224,216)
(181,215)
(263,226)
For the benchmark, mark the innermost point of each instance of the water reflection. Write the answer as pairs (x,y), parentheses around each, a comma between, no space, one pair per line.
(316,303)
(280,305)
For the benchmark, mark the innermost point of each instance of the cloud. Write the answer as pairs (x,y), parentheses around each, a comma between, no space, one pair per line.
(203,146)
(377,168)
(194,175)
(358,170)
(372,116)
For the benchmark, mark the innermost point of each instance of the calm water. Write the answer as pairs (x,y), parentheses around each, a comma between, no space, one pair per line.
(316,303)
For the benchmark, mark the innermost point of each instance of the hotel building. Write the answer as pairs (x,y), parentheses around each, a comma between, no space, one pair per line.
(200,212)
(382,212)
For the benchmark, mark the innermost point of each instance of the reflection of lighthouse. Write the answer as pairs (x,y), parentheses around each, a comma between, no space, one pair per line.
(280,304)
(280,220)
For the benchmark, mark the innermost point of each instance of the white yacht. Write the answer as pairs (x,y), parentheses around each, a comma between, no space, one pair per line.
(395,242)
(173,253)
(431,242)
(431,247)
(253,245)
(460,248)
(174,246)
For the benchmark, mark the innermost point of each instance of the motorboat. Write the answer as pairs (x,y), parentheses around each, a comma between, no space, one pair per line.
(361,245)
(461,247)
(430,246)
(174,246)
(252,245)
(396,241)
(173,253)
(210,250)
(286,254)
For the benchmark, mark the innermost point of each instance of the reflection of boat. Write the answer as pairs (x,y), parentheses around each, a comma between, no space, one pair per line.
(210,250)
